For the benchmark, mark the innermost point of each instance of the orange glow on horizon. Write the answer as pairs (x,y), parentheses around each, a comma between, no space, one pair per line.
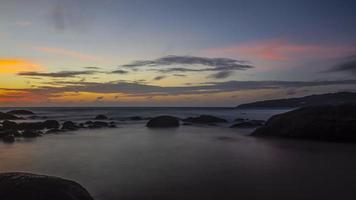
(14,65)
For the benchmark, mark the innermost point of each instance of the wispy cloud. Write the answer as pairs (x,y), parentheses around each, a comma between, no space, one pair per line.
(213,64)
(348,66)
(119,71)
(137,89)
(62,74)
(221,75)
(67,53)
(157,78)
(282,50)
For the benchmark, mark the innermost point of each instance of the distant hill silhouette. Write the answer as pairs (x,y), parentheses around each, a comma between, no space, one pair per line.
(312,100)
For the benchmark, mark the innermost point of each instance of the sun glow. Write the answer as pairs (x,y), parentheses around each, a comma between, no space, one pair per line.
(14,65)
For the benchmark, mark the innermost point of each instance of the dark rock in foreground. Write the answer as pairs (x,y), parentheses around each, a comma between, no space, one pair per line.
(329,123)
(163,122)
(20,186)
(20,112)
(248,124)
(205,119)
(101,117)
(6,116)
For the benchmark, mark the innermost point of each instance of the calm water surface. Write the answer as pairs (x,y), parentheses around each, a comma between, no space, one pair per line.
(133,162)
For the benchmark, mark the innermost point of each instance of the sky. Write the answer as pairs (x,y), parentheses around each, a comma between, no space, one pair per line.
(173,53)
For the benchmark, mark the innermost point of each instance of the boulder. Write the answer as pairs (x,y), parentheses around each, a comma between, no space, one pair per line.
(31,133)
(20,112)
(51,124)
(18,186)
(69,125)
(330,123)
(6,116)
(248,124)
(9,125)
(205,119)
(136,118)
(101,117)
(163,122)
(30,126)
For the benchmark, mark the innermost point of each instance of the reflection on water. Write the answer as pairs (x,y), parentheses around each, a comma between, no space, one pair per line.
(133,162)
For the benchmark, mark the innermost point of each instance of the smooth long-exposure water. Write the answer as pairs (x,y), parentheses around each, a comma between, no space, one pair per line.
(133,162)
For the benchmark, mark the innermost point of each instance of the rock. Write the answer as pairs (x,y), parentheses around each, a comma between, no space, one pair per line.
(248,124)
(9,125)
(31,133)
(55,131)
(30,126)
(8,139)
(51,124)
(37,117)
(330,123)
(19,186)
(6,116)
(136,118)
(163,122)
(240,120)
(101,117)
(69,125)
(4,133)
(20,112)
(205,119)
(98,124)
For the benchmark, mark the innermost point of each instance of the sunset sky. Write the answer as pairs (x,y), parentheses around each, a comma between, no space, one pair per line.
(173,53)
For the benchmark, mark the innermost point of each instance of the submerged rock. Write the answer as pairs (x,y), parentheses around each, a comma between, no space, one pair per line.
(51,124)
(163,122)
(6,116)
(98,124)
(69,125)
(205,119)
(20,112)
(31,133)
(8,138)
(331,123)
(101,117)
(18,186)
(136,118)
(248,124)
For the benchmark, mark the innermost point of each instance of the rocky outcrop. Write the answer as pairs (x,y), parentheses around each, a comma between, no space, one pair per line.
(19,186)
(163,122)
(20,112)
(330,123)
(205,119)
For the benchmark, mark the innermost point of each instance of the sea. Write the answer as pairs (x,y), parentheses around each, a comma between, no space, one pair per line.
(200,162)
